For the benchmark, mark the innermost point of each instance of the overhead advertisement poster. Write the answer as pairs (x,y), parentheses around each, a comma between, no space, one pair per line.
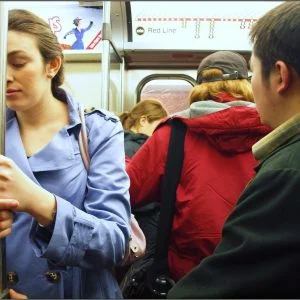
(76,27)
(203,25)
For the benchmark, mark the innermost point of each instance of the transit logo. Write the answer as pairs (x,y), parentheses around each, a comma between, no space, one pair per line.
(140,30)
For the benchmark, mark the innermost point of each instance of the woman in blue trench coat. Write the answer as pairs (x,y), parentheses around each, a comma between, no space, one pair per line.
(65,228)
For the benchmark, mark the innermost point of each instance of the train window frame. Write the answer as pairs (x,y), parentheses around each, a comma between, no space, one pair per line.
(154,77)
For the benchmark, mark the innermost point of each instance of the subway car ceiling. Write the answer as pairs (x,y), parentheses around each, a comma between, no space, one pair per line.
(175,33)
(148,34)
(180,34)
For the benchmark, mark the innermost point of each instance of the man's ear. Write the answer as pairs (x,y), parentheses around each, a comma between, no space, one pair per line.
(53,66)
(283,76)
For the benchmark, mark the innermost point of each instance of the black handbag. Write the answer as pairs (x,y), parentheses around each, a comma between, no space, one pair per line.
(149,277)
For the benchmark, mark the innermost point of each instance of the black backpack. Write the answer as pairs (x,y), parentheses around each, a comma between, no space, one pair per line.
(149,276)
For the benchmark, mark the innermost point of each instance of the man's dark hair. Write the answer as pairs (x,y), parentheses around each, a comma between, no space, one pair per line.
(276,36)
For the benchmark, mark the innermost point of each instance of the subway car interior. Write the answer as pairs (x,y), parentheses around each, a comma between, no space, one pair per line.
(131,51)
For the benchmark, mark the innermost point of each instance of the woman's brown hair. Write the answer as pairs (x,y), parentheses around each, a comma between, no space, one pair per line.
(239,88)
(25,21)
(151,109)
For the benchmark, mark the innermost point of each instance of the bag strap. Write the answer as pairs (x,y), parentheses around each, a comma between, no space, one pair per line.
(168,195)
(83,142)
(137,243)
(160,281)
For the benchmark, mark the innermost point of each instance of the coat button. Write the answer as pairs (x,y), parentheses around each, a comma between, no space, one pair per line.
(53,277)
(12,277)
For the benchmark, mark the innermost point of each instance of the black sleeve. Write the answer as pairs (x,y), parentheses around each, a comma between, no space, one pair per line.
(131,148)
(259,255)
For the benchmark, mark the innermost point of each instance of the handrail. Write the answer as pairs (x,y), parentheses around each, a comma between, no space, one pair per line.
(3,59)
(105,56)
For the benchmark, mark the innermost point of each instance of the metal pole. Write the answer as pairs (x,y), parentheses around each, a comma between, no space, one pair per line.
(106,33)
(3,55)
(122,85)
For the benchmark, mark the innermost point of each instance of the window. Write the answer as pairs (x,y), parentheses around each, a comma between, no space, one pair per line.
(172,93)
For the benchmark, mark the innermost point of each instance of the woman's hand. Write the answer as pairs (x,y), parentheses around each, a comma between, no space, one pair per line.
(15,295)
(6,216)
(32,198)
(14,184)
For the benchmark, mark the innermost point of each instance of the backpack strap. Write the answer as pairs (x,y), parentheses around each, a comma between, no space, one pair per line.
(158,275)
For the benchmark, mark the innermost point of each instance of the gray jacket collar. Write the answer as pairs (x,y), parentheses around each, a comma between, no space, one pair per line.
(206,107)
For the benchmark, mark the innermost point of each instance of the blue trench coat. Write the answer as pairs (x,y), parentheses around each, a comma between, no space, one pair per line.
(92,223)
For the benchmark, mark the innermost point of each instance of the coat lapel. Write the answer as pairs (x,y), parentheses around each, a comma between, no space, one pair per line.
(14,148)
(58,154)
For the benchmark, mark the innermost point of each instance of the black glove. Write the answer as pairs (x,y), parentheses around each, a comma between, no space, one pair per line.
(91,22)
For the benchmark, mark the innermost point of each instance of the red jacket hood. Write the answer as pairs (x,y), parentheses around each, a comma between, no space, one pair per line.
(232,130)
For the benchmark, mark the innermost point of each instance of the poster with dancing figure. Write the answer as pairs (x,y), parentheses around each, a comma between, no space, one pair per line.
(78,31)
(76,27)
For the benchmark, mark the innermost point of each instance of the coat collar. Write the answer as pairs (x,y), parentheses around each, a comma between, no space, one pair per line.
(277,137)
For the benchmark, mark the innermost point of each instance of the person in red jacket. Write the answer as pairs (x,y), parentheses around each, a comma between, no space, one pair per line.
(222,125)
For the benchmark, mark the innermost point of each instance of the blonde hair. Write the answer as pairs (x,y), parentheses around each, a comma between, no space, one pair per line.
(239,88)
(152,109)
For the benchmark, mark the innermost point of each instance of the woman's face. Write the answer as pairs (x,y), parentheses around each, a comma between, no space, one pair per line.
(26,76)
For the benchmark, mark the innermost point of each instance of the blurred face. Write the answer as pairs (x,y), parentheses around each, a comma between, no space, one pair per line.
(146,127)
(261,91)
(26,77)
(150,127)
